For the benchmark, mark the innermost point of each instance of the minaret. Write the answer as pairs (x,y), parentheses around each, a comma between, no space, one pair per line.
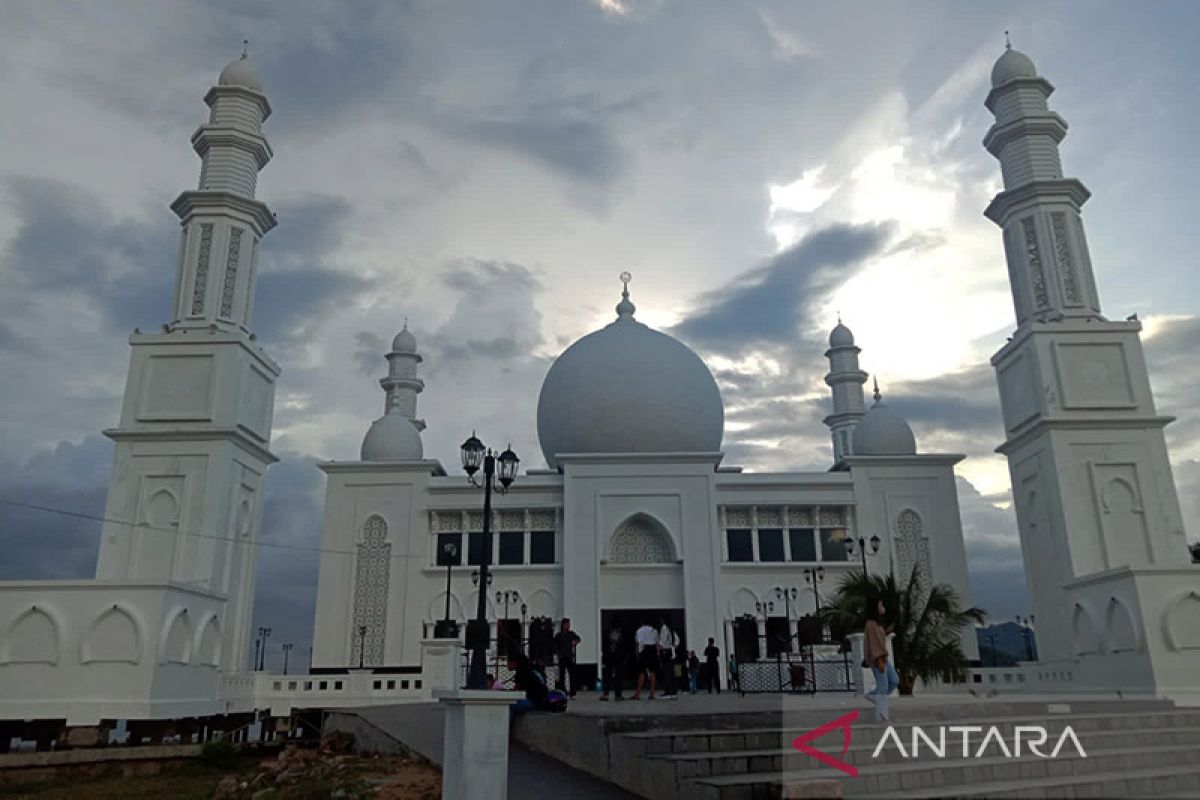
(1101,530)
(401,384)
(185,495)
(222,222)
(846,380)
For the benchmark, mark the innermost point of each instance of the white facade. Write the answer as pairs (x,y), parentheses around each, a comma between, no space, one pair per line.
(623,528)
(1116,598)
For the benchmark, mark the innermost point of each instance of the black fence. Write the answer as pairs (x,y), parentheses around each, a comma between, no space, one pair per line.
(798,656)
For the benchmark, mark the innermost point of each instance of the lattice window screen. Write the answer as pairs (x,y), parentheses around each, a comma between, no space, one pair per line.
(641,541)
(912,549)
(370,593)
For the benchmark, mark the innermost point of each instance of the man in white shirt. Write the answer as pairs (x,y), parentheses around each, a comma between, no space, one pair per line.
(667,643)
(647,654)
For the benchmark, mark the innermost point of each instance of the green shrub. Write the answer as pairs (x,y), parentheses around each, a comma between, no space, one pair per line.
(219,754)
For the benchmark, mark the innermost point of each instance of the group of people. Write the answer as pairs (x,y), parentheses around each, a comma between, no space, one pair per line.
(658,654)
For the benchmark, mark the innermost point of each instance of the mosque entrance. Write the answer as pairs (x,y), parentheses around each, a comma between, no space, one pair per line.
(629,620)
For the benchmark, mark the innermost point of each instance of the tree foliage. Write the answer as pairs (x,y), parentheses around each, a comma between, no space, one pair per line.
(927,622)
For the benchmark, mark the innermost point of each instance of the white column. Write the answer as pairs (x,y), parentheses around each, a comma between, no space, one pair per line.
(475,750)
(441,663)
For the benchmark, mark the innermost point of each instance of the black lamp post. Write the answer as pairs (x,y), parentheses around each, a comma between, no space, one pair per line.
(874,542)
(474,456)
(1025,623)
(788,594)
(287,648)
(263,634)
(362,645)
(815,576)
(257,644)
(447,628)
(505,596)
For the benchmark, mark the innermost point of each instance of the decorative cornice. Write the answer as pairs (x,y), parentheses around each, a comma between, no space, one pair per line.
(1037,82)
(1108,421)
(917,459)
(236,435)
(713,457)
(239,91)
(195,201)
(1069,190)
(204,337)
(1047,124)
(424,466)
(206,136)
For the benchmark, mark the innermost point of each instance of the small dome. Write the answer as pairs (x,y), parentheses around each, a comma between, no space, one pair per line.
(392,437)
(1013,64)
(841,336)
(241,73)
(883,432)
(628,388)
(404,342)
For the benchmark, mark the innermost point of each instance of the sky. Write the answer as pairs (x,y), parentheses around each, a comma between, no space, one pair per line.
(486,170)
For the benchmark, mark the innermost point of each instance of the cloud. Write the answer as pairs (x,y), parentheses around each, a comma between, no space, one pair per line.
(767,305)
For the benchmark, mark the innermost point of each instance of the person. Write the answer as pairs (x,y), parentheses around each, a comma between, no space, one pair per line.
(712,666)
(668,641)
(565,642)
(875,654)
(614,662)
(528,680)
(693,664)
(647,655)
(734,678)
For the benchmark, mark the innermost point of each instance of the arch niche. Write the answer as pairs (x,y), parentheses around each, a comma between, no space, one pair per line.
(641,539)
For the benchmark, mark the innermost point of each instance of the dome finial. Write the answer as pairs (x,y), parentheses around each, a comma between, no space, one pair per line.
(1007,41)
(245,48)
(625,308)
(878,396)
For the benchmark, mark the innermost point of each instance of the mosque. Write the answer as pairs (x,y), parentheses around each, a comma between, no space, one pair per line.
(635,511)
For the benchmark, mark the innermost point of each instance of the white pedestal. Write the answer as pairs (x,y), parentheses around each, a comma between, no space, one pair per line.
(441,663)
(475,754)
(858,651)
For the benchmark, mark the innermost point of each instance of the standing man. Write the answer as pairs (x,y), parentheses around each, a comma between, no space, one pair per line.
(668,641)
(712,666)
(565,642)
(614,662)
(647,654)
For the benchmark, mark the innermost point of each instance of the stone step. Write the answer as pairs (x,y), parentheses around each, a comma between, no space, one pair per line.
(702,764)
(946,778)
(661,742)
(1176,784)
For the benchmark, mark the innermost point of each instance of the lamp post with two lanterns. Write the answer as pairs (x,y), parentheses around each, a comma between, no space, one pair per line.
(447,628)
(498,473)
(874,542)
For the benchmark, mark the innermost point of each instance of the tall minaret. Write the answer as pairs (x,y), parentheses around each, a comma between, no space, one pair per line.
(185,494)
(846,381)
(222,222)
(1101,530)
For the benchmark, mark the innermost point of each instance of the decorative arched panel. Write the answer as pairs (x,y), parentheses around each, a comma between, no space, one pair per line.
(641,539)
(541,603)
(1181,622)
(1083,630)
(162,509)
(177,639)
(208,642)
(742,602)
(912,549)
(372,571)
(32,638)
(1122,633)
(114,636)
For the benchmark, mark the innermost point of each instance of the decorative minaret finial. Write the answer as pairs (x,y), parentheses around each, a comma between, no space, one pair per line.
(625,308)
(401,385)
(877,395)
(845,381)
(245,48)
(1007,41)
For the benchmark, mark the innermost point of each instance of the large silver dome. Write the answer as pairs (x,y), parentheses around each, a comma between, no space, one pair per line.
(627,388)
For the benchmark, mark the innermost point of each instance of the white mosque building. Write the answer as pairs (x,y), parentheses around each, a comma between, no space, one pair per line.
(636,511)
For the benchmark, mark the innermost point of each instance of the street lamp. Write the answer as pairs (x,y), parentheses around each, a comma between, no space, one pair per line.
(787,594)
(874,542)
(815,576)
(362,644)
(263,634)
(447,628)
(287,648)
(1025,632)
(505,596)
(499,469)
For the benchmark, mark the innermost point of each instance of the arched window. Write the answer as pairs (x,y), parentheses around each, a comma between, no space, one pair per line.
(912,549)
(641,540)
(370,594)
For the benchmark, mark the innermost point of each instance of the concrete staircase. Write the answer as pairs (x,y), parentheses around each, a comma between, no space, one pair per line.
(1134,748)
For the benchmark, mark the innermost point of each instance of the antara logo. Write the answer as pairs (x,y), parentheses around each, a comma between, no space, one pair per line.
(1033,737)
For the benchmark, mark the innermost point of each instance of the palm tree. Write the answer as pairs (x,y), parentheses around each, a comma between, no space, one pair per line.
(927,623)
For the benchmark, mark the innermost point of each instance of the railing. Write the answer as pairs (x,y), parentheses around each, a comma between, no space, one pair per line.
(809,669)
(497,667)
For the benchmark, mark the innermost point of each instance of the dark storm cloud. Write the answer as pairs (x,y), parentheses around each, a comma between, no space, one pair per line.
(478,277)
(67,246)
(495,317)
(966,402)
(767,305)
